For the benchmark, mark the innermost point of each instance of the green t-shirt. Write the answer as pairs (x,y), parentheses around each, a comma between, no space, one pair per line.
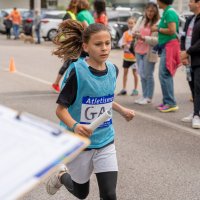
(85,15)
(169,15)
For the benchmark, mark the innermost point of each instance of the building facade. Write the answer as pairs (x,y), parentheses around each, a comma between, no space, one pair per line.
(180,5)
(30,4)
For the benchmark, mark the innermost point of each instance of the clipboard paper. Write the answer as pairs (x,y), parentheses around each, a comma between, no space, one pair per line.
(30,147)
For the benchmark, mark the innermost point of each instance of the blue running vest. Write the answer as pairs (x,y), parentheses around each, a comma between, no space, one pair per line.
(95,94)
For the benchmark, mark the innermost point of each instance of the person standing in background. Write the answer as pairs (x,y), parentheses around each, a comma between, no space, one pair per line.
(16,21)
(190,46)
(100,15)
(169,45)
(83,14)
(71,10)
(129,60)
(8,25)
(37,24)
(146,60)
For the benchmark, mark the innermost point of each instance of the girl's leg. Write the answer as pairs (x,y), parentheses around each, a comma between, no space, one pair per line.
(62,71)
(140,62)
(125,78)
(135,75)
(150,79)
(58,78)
(107,182)
(80,191)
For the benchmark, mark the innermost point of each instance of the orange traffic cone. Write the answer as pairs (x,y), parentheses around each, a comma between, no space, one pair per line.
(12,65)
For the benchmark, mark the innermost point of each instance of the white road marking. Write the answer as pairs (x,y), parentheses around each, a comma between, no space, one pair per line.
(33,78)
(169,124)
(144,115)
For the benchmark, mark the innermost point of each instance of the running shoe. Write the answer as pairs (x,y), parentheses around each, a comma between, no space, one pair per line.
(134,92)
(53,184)
(56,87)
(159,106)
(122,92)
(196,122)
(188,119)
(138,100)
(168,108)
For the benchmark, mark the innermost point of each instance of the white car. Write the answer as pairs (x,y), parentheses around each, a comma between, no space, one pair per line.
(50,22)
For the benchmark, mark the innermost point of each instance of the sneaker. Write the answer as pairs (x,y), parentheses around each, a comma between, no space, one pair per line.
(122,92)
(134,92)
(168,108)
(196,122)
(53,184)
(144,101)
(56,87)
(138,100)
(148,100)
(188,119)
(159,106)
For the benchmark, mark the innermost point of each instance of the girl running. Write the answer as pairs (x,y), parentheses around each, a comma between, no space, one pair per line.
(87,93)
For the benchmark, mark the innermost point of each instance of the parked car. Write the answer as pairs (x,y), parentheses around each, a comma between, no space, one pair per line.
(50,22)
(117,21)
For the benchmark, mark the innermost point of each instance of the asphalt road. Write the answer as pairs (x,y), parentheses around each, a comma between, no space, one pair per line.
(158,155)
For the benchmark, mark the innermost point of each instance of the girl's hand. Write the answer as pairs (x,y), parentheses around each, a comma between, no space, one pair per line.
(184,55)
(185,62)
(128,114)
(83,130)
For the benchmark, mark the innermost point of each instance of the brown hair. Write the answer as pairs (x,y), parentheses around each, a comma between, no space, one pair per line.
(83,5)
(100,7)
(156,16)
(72,6)
(71,36)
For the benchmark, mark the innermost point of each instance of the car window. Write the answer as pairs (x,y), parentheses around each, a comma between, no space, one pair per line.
(3,13)
(52,16)
(27,14)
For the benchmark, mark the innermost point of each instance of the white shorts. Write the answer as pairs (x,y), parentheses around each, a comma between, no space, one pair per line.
(97,160)
(134,66)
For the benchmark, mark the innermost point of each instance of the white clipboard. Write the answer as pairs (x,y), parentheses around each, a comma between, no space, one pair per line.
(30,147)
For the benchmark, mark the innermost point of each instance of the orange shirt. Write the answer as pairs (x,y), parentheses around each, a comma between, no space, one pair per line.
(127,39)
(102,19)
(16,17)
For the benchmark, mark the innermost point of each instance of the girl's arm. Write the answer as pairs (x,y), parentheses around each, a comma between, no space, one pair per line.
(64,116)
(128,114)
(170,30)
(152,40)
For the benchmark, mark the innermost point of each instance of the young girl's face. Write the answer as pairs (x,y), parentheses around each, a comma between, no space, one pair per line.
(98,47)
(131,24)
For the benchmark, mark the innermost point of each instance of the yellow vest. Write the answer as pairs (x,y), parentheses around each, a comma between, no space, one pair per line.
(73,16)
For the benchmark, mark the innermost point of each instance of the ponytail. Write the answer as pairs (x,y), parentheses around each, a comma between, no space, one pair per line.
(69,40)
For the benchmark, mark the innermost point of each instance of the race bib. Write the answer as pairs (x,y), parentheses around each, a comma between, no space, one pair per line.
(93,107)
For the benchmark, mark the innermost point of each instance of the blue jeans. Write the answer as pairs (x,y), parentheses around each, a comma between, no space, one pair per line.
(146,70)
(166,82)
(16,30)
(37,32)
